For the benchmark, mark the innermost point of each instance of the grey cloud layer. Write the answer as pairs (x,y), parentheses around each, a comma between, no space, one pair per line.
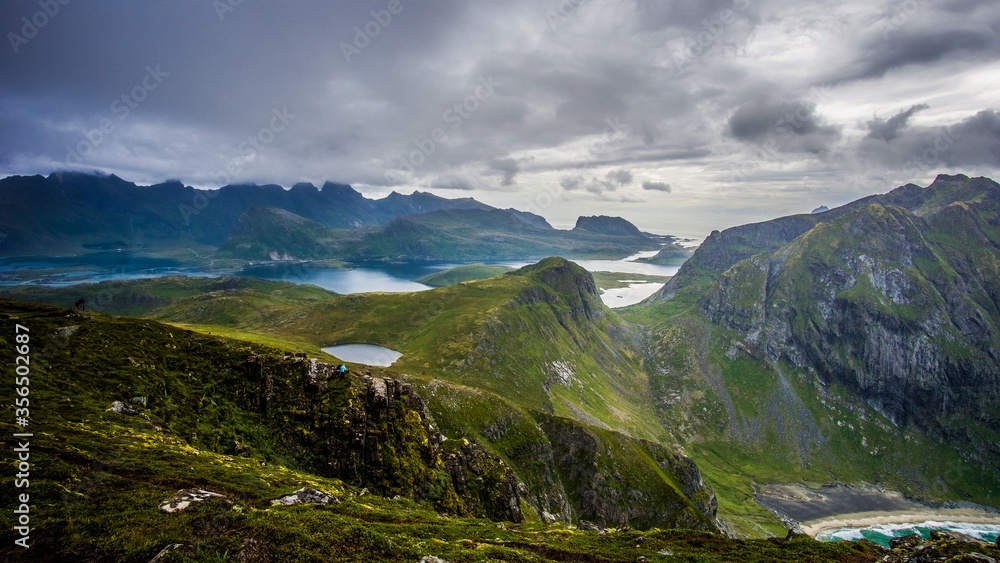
(584,100)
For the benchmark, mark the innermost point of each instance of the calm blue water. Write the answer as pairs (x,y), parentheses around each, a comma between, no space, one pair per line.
(883,533)
(367,354)
(363,278)
(97,267)
(69,270)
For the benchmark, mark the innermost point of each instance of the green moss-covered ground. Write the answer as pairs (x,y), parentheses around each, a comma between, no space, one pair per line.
(98,477)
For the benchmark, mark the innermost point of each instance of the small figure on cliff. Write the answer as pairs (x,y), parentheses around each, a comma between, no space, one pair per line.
(342,369)
(81,304)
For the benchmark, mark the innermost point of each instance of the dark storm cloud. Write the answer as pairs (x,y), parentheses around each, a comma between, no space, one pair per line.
(505,99)
(508,169)
(917,47)
(453,182)
(973,141)
(790,126)
(621,176)
(919,33)
(656,186)
(888,129)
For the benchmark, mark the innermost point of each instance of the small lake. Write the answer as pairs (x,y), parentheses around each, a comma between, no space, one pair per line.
(625,296)
(367,354)
(365,278)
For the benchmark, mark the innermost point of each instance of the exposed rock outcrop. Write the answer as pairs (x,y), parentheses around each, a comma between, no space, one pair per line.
(606,492)
(374,432)
(305,495)
(901,305)
(186,497)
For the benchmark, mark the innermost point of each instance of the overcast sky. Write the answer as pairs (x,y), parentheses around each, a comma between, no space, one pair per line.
(680,116)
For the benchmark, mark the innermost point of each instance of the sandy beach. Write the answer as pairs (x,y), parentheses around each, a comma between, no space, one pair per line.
(832,508)
(864,519)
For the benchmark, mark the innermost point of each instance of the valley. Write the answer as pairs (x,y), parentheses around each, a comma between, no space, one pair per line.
(520,396)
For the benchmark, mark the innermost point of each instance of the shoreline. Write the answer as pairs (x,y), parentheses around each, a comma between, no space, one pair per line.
(829,508)
(875,518)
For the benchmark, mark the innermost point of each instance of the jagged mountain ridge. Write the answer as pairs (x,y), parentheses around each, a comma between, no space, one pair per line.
(723,249)
(452,234)
(66,210)
(73,213)
(901,308)
(879,318)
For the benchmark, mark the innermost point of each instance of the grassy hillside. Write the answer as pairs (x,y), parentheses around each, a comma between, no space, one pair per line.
(247,422)
(99,477)
(533,341)
(518,362)
(856,345)
(267,233)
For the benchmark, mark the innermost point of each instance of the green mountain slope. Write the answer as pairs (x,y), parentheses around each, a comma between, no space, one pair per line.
(473,234)
(496,358)
(267,233)
(861,349)
(202,414)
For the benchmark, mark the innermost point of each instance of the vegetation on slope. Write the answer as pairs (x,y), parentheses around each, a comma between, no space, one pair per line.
(850,346)
(267,233)
(99,477)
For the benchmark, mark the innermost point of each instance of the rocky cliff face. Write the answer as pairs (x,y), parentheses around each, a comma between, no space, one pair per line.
(374,432)
(899,305)
(612,491)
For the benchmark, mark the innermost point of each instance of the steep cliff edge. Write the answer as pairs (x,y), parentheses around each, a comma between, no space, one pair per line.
(902,309)
(371,430)
(861,344)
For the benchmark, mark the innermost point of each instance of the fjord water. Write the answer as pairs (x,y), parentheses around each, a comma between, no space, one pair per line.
(364,277)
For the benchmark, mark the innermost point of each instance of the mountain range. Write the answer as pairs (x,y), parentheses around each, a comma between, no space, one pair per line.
(854,346)
(74,213)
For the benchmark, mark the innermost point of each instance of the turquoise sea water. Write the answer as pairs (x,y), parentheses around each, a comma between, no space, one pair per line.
(881,534)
